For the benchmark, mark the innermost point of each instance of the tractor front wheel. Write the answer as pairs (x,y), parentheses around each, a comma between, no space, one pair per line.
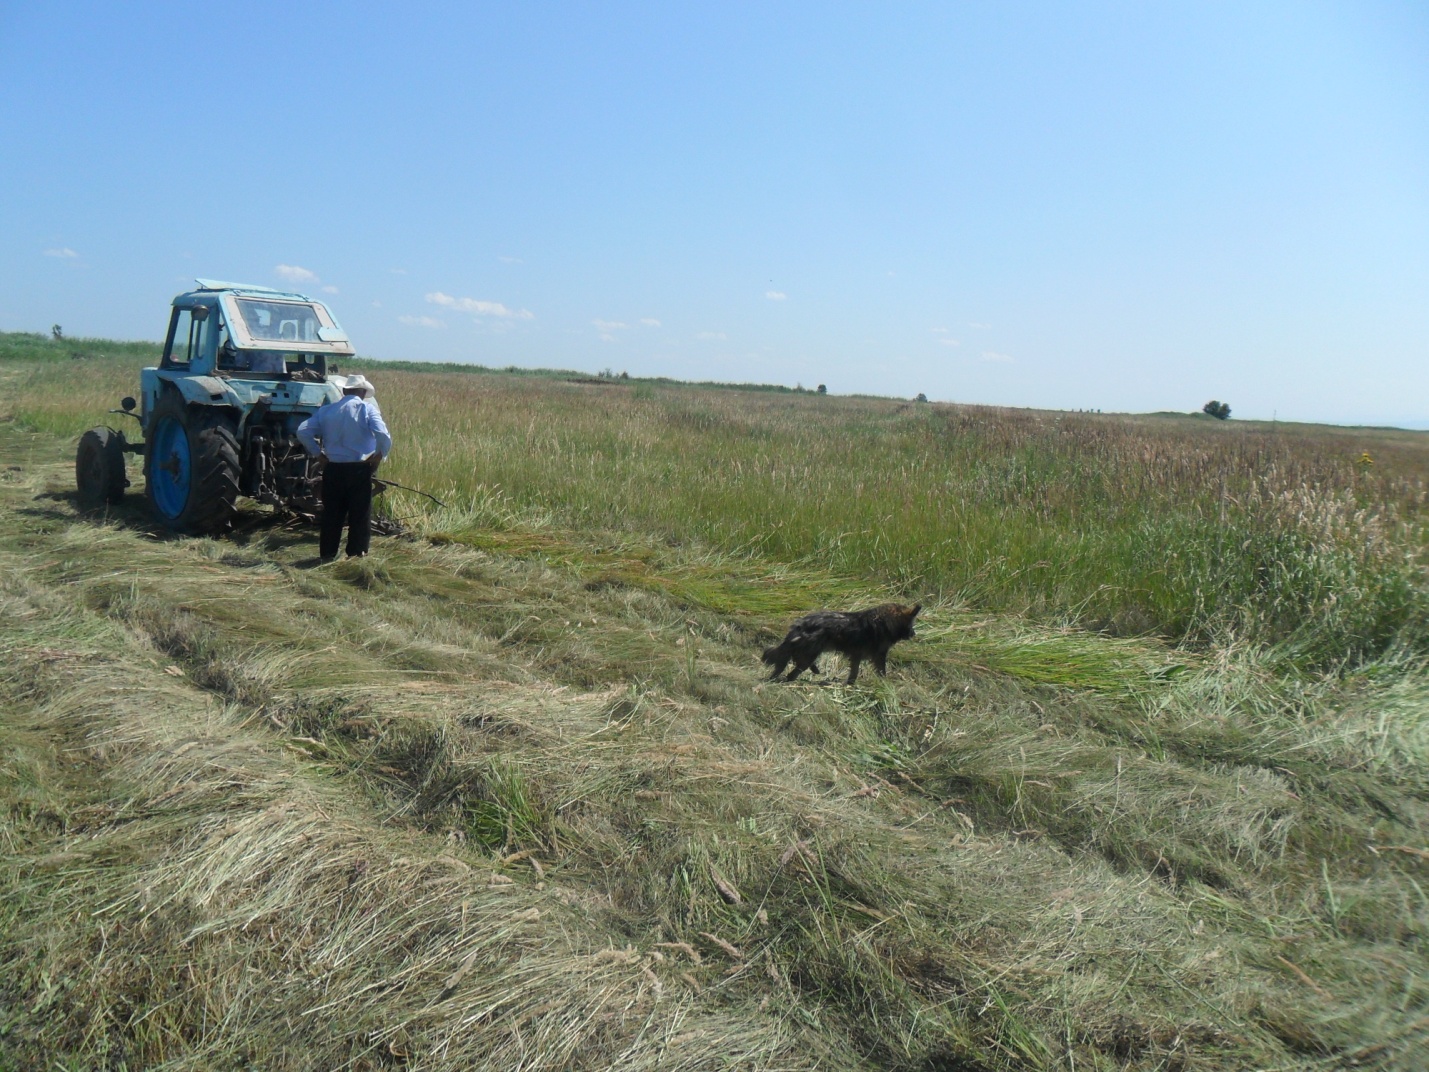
(191,467)
(99,468)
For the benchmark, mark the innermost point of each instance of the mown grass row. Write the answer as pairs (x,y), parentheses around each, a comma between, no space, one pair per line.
(245,790)
(263,815)
(1309,539)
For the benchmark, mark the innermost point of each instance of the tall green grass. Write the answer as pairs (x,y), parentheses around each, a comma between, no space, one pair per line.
(1192,529)
(1305,538)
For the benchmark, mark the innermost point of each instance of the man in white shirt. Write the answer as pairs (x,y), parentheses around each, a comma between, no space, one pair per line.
(350,439)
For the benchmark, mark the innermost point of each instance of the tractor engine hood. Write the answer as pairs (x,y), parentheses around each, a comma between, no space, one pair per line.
(282,396)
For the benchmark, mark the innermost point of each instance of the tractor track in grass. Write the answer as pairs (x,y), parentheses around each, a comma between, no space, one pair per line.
(457,805)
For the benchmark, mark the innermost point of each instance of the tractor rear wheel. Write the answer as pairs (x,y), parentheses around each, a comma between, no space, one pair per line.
(99,468)
(191,467)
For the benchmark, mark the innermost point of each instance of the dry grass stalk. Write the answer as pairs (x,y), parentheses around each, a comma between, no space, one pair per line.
(726,946)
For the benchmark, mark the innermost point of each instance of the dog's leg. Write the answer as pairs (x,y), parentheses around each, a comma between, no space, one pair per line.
(880,663)
(853,661)
(802,662)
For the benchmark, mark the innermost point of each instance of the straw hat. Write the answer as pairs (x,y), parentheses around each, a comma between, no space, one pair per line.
(361,383)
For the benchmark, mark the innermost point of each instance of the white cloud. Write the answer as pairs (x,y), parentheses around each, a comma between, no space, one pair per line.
(293,274)
(605,337)
(479,308)
(980,327)
(606,326)
(775,295)
(711,335)
(1001,359)
(948,341)
(398,271)
(329,289)
(510,260)
(64,253)
(420,322)
(649,322)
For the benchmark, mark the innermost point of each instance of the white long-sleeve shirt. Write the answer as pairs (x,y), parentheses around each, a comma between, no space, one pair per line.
(348,430)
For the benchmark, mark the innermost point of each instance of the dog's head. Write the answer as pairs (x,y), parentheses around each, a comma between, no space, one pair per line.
(901,618)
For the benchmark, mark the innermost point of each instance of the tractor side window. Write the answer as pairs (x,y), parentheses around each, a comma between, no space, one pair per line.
(182,339)
(198,337)
(187,337)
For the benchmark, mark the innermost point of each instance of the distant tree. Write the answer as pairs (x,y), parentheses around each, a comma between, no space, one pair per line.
(1219,410)
(823,389)
(56,332)
(921,397)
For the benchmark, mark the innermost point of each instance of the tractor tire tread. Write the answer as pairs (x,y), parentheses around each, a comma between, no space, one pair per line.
(215,489)
(214,468)
(99,468)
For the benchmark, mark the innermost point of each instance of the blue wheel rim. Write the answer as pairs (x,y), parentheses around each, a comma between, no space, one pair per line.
(170,470)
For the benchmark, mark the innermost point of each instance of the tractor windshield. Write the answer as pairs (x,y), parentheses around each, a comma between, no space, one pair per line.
(286,323)
(280,321)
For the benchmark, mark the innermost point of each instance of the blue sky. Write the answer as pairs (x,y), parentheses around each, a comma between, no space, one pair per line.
(1119,206)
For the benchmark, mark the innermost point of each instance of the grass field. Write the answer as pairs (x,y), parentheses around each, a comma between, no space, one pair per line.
(1309,538)
(511,793)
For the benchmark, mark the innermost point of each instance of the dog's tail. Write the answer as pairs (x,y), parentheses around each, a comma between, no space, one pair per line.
(780,653)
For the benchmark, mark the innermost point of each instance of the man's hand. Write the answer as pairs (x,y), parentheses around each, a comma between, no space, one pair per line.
(374,460)
(322,463)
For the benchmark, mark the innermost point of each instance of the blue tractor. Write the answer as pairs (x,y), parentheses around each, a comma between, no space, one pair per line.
(242,367)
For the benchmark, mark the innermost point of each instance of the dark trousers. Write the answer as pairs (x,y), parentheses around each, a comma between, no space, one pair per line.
(347,500)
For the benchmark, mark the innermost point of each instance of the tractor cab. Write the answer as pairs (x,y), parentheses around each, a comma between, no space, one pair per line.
(238,330)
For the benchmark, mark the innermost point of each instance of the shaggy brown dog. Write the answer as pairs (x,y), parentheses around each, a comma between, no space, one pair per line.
(860,634)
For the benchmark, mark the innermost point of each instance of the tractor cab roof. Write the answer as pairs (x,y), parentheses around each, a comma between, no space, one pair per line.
(214,286)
